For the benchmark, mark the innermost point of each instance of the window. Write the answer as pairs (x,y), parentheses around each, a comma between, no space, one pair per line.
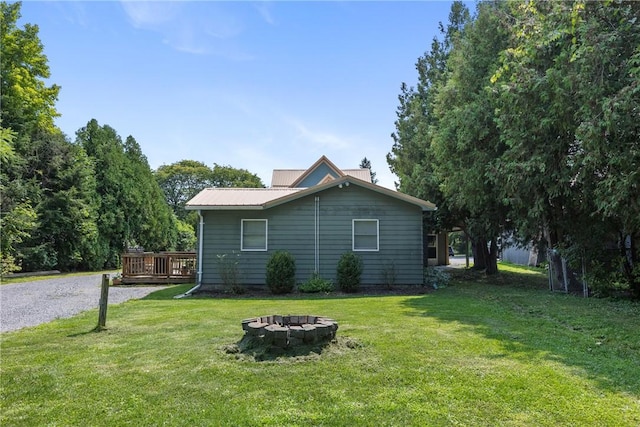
(365,235)
(254,235)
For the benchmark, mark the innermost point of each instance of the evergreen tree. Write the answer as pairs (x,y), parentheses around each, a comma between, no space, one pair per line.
(526,120)
(412,157)
(46,183)
(66,208)
(366,164)
(132,206)
(466,142)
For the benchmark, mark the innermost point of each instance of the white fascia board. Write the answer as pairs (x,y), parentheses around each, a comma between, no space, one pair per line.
(225,208)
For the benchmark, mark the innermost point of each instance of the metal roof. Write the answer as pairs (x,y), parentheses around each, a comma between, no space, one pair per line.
(283,190)
(265,198)
(285,177)
(237,198)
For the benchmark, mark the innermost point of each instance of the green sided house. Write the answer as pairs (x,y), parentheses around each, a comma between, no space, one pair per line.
(316,214)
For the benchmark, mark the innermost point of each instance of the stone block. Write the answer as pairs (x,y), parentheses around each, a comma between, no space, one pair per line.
(296,332)
(310,334)
(256,328)
(293,341)
(323,330)
(280,343)
(245,323)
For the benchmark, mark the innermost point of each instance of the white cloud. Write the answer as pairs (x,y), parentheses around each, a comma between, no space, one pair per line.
(150,15)
(264,9)
(74,12)
(202,28)
(319,139)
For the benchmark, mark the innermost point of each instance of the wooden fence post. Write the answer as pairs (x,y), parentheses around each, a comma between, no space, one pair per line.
(104,300)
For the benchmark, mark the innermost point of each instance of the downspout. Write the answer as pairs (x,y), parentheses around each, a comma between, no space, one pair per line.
(317,235)
(200,246)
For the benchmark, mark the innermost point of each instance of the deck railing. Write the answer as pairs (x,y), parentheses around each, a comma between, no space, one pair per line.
(163,267)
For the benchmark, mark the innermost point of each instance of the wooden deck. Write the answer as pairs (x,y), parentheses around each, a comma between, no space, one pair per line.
(163,267)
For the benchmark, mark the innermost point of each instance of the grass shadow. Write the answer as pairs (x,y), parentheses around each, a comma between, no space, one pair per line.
(93,330)
(599,337)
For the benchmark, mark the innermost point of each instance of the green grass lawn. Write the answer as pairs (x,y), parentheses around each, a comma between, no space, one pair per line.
(480,352)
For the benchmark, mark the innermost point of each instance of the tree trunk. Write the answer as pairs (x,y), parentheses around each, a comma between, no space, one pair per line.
(630,264)
(485,257)
(492,258)
(480,254)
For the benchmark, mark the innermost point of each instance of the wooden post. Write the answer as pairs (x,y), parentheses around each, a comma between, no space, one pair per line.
(104,299)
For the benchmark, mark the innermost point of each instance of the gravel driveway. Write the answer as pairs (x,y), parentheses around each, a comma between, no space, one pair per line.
(33,303)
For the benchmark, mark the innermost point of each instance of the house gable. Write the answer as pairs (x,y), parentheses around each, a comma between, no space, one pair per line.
(322,174)
(317,174)
(322,171)
(345,182)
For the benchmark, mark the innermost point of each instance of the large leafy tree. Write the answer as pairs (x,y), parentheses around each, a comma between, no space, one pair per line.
(47,210)
(181,181)
(606,61)
(51,180)
(528,119)
(570,172)
(27,102)
(18,219)
(227,176)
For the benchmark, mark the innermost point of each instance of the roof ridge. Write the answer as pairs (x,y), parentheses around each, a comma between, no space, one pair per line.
(253,188)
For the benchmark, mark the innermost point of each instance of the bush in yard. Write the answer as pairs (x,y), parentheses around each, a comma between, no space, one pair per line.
(281,272)
(316,284)
(349,272)
(229,271)
(436,278)
(389,274)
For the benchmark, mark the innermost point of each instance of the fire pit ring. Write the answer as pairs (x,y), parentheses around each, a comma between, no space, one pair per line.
(286,331)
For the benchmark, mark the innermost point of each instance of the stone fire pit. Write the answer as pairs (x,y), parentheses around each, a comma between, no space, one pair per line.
(287,331)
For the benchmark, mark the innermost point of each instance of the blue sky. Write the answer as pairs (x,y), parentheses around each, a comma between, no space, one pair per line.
(253,85)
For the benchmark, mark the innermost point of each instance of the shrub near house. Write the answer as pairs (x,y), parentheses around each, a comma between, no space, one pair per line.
(281,272)
(349,272)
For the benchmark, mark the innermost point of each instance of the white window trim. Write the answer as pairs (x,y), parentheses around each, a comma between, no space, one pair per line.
(266,235)
(353,235)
